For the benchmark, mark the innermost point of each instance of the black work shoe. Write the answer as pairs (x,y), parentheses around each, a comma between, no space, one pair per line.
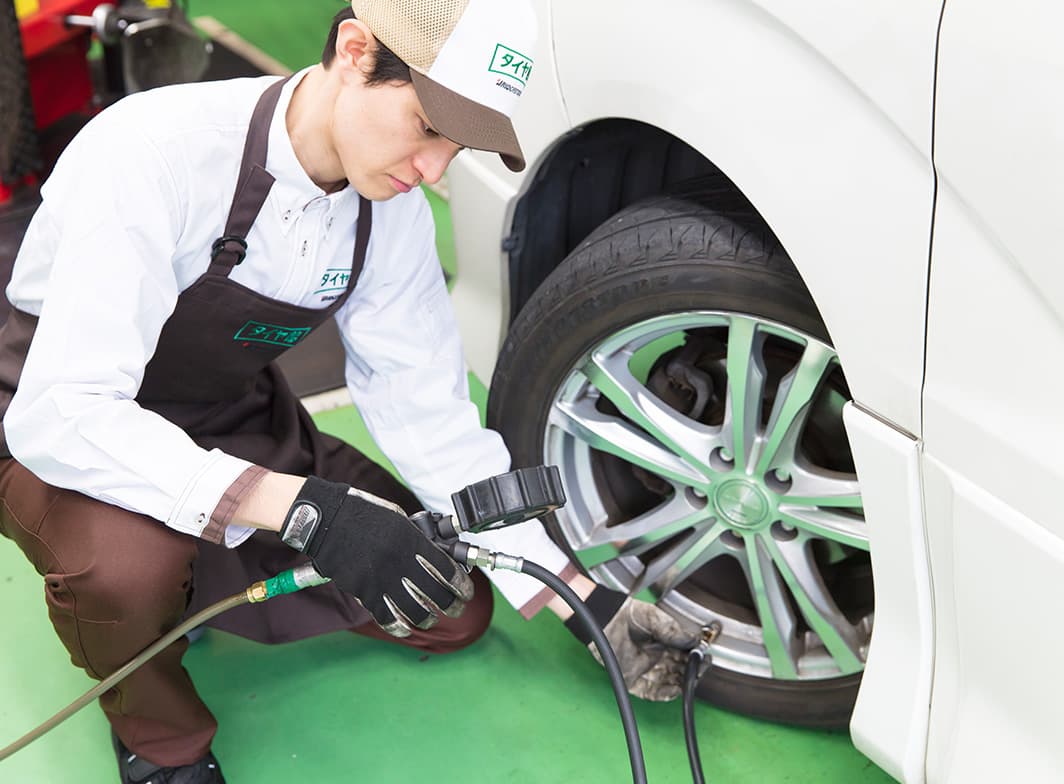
(137,770)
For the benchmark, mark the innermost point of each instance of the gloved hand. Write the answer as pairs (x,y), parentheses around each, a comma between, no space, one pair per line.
(651,646)
(371,550)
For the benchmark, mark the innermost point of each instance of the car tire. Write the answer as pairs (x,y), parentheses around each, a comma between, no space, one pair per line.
(679,258)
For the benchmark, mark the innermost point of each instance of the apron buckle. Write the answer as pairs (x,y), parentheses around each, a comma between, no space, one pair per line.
(230,243)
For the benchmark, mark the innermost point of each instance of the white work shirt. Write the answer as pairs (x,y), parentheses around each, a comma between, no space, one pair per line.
(126,224)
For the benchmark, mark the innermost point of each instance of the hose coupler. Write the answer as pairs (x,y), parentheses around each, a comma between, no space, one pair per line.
(257,592)
(471,555)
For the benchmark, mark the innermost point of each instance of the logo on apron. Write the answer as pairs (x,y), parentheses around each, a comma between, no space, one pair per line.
(256,332)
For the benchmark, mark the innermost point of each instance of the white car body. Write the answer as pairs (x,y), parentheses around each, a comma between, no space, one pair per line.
(909,155)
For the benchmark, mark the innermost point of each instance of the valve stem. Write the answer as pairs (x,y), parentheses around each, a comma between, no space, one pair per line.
(710,632)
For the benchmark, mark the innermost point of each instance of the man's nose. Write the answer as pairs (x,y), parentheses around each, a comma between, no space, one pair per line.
(432,163)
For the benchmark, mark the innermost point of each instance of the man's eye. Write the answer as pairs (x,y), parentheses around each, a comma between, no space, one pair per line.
(428,131)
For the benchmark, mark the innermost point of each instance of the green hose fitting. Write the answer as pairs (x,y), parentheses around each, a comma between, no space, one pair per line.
(290,581)
(293,580)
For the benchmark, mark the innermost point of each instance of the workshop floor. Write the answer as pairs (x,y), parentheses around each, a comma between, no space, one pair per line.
(525,704)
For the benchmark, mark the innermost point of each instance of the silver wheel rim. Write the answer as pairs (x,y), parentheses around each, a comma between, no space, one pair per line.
(742,489)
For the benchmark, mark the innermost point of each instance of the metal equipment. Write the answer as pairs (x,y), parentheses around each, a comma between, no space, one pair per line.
(145,44)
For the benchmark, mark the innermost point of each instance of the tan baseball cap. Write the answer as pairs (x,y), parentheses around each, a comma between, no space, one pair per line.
(470,61)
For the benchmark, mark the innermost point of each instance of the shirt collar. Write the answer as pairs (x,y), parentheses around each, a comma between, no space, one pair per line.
(293,189)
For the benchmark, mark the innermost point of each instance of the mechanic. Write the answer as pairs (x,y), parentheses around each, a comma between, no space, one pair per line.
(152,451)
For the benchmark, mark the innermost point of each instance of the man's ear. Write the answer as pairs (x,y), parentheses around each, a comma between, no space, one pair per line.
(355,46)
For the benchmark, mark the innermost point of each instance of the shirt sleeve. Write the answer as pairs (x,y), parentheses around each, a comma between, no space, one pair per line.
(406,374)
(96,267)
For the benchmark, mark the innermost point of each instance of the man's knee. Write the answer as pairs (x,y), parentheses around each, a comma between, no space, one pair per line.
(116,565)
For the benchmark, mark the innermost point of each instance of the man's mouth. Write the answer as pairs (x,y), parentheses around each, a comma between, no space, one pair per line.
(399,185)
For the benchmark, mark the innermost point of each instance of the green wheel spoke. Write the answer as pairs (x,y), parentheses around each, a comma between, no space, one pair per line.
(614,436)
(746,384)
(827,524)
(793,401)
(851,501)
(611,376)
(649,528)
(779,625)
(795,564)
(667,570)
(814,486)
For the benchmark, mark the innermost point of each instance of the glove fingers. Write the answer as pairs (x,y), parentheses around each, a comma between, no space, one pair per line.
(459,584)
(436,598)
(425,600)
(409,603)
(392,619)
(664,681)
(651,623)
(427,604)
(455,610)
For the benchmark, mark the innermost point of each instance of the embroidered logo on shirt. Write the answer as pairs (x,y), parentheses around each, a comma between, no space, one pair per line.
(333,283)
(256,332)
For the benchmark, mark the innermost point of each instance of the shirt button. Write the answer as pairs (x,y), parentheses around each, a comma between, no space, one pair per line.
(202,518)
(287,216)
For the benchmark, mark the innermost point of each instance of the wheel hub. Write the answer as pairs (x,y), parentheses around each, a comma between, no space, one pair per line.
(742,504)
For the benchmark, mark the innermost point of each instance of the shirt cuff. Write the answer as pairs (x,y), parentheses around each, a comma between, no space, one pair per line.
(542,599)
(217,527)
(204,493)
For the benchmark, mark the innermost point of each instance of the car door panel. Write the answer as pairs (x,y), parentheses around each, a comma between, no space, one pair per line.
(993,423)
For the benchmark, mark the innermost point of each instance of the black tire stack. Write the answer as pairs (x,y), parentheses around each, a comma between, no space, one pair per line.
(19,148)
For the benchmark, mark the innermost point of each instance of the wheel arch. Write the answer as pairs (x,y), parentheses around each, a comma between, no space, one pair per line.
(591,173)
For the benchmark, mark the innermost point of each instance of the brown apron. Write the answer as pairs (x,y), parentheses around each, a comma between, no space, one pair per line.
(213,375)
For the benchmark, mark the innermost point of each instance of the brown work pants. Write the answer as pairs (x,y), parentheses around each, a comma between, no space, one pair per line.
(115,581)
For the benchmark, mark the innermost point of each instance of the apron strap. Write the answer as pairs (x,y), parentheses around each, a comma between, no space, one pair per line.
(365,222)
(252,187)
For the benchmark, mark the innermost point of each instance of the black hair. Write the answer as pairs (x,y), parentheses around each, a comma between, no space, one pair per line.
(387,67)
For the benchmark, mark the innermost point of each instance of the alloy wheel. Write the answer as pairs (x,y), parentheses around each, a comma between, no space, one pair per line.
(708,470)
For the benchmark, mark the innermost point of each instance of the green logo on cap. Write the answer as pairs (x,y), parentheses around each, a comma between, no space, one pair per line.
(511,63)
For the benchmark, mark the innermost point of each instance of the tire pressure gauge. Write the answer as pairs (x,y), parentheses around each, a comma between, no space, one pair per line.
(509,498)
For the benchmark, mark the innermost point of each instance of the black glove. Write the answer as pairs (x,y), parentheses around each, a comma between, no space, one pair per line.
(371,550)
(651,646)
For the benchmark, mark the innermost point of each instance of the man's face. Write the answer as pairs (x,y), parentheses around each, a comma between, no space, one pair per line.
(384,140)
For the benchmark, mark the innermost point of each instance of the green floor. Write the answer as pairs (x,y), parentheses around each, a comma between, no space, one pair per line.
(525,704)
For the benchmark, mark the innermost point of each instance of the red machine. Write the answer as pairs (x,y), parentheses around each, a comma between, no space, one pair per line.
(56,57)
(145,43)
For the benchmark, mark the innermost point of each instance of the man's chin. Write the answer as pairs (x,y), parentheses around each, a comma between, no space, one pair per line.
(380,196)
(377,192)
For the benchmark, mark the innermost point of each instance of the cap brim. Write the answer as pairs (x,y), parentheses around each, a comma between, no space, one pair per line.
(467,122)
